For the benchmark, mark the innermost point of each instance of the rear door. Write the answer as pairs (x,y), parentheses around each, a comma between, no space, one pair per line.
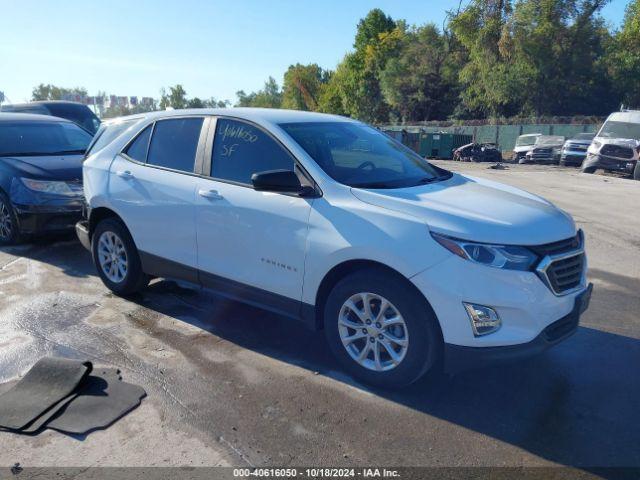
(152,187)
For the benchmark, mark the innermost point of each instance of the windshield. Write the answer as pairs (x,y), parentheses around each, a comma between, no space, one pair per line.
(42,138)
(584,136)
(612,129)
(526,140)
(357,155)
(549,140)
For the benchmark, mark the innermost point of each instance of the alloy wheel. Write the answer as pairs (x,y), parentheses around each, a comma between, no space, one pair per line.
(112,257)
(373,331)
(6,222)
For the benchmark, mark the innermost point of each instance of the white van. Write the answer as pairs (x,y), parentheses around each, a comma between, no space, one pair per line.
(617,145)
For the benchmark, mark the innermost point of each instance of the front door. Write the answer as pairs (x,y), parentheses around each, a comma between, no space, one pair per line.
(250,244)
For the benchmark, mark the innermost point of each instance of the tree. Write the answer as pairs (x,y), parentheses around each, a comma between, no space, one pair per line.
(624,57)
(52,92)
(269,97)
(355,85)
(370,28)
(419,81)
(176,98)
(303,86)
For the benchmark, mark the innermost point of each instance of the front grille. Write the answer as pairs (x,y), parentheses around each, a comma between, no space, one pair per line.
(557,248)
(617,151)
(562,265)
(577,146)
(561,328)
(565,274)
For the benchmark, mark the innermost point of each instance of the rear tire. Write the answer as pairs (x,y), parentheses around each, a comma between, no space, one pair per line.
(9,228)
(589,170)
(408,319)
(116,258)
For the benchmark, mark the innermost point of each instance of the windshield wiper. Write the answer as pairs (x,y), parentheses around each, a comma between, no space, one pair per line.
(439,178)
(68,152)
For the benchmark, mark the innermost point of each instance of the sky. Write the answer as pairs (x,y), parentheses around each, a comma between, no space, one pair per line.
(212,47)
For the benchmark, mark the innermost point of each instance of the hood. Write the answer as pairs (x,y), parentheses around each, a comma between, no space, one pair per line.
(67,167)
(478,210)
(622,142)
(522,148)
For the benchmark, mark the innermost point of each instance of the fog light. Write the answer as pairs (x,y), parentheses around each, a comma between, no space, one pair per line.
(484,320)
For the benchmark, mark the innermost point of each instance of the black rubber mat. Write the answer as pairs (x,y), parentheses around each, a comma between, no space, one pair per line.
(101,400)
(48,382)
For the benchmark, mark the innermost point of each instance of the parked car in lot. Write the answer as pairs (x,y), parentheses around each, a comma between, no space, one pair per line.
(404,265)
(40,174)
(574,150)
(524,144)
(546,150)
(478,152)
(76,112)
(616,145)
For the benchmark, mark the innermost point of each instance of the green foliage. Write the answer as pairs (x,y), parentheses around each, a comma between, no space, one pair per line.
(302,87)
(624,57)
(269,97)
(51,92)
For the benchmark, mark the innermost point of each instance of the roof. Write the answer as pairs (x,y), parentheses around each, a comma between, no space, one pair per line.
(29,117)
(269,115)
(629,116)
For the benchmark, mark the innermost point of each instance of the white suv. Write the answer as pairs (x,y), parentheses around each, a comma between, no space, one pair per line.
(405,266)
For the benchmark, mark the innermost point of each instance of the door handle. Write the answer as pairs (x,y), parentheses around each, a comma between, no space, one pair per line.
(126,174)
(210,194)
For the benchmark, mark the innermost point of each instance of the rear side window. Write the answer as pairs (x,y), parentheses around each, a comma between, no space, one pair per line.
(174,143)
(138,148)
(107,133)
(240,150)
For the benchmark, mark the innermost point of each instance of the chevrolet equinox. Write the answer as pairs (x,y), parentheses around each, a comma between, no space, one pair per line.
(404,265)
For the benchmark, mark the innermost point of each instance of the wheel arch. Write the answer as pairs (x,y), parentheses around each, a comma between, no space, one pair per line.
(99,214)
(340,271)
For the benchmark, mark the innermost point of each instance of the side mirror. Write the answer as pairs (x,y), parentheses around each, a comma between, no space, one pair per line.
(283,181)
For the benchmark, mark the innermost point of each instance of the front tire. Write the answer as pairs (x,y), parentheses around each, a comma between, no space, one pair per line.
(116,258)
(9,228)
(381,329)
(636,171)
(589,170)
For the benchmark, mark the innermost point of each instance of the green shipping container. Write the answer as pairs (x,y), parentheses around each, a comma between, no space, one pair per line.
(442,144)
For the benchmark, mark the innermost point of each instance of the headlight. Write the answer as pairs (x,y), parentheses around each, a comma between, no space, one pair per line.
(508,257)
(51,188)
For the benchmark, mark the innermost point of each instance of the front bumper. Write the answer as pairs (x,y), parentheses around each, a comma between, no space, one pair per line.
(524,303)
(36,219)
(609,163)
(572,158)
(459,358)
(82,231)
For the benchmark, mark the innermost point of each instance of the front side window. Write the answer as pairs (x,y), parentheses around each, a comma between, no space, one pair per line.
(42,138)
(357,155)
(240,150)
(174,143)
